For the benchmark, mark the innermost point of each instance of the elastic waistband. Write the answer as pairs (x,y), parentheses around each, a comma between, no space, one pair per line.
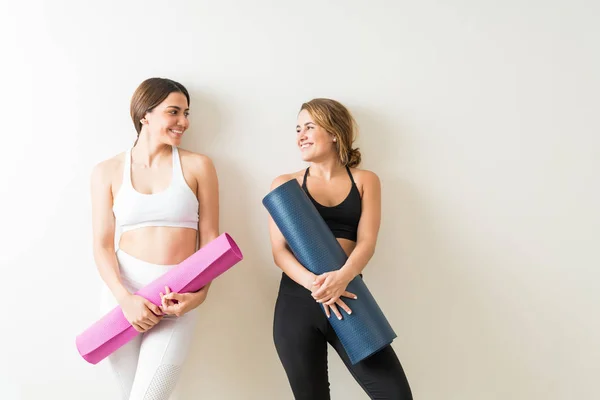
(137,272)
(290,287)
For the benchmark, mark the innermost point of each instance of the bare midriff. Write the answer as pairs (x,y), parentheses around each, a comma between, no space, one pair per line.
(159,244)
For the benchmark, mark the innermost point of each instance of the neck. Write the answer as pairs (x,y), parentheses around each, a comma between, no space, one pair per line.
(147,152)
(326,169)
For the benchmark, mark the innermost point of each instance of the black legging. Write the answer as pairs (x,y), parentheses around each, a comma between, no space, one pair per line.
(301,333)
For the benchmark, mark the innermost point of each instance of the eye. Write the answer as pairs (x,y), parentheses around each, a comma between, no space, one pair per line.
(187,114)
(173,112)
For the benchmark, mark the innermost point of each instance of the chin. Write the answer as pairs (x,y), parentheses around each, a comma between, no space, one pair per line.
(306,158)
(173,141)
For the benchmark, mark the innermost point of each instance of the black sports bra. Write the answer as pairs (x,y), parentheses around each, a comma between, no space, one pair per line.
(343,218)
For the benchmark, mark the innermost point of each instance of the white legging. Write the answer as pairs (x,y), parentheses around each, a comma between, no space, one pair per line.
(148,367)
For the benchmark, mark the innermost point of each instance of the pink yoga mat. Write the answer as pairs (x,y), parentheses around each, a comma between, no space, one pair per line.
(112,331)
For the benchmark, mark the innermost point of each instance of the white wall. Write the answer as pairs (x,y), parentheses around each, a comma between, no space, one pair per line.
(480,117)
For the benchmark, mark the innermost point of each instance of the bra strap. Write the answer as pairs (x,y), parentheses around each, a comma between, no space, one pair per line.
(350,173)
(127,169)
(304,181)
(177,168)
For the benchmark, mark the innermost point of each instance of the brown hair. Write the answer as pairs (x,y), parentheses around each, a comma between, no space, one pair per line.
(338,122)
(148,95)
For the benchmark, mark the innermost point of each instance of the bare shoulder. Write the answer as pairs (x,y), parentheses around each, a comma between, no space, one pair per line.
(198,163)
(364,175)
(105,171)
(366,180)
(281,179)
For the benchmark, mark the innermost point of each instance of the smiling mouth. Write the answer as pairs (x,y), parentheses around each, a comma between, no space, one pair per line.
(176,132)
(305,146)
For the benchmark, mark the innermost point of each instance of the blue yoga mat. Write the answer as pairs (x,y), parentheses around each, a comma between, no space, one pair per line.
(366,330)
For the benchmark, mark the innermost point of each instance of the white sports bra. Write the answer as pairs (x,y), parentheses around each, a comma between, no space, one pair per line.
(175,206)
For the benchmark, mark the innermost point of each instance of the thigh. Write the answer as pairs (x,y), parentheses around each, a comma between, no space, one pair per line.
(164,349)
(381,376)
(123,364)
(301,347)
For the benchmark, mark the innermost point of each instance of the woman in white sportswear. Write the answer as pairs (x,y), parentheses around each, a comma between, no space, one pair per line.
(164,201)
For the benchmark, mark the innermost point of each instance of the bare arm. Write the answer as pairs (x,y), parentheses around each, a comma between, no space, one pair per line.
(208,226)
(103,226)
(368,227)
(208,199)
(208,209)
(282,256)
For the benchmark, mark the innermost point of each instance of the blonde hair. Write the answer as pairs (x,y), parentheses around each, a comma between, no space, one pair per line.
(338,122)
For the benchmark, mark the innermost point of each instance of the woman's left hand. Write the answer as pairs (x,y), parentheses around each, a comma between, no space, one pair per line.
(332,285)
(180,303)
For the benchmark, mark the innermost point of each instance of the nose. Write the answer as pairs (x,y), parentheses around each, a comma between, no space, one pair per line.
(302,134)
(183,121)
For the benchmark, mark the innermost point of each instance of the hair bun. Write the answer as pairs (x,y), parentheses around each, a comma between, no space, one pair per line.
(353,158)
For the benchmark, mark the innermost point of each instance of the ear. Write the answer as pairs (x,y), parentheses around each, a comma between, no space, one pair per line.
(144,120)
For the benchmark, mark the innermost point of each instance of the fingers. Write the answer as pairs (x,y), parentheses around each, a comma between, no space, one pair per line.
(154,308)
(152,319)
(325,299)
(170,304)
(336,311)
(144,326)
(165,303)
(333,307)
(152,314)
(141,313)
(344,306)
(167,292)
(350,295)
(171,309)
(329,296)
(320,279)
(175,296)
(167,307)
(320,292)
(147,320)
(331,300)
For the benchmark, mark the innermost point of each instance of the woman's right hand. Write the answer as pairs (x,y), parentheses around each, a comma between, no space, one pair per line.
(338,304)
(140,313)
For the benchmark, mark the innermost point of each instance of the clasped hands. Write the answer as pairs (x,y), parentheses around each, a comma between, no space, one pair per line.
(328,288)
(144,315)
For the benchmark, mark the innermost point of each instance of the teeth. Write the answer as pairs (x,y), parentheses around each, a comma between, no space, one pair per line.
(305,145)
(177,132)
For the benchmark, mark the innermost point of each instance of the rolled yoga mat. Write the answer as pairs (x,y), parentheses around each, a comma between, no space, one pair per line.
(366,330)
(113,331)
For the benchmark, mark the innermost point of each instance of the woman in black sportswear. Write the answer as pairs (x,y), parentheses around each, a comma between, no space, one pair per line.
(349,200)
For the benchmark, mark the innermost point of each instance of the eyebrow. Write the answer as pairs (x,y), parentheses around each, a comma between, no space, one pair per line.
(178,108)
(306,123)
